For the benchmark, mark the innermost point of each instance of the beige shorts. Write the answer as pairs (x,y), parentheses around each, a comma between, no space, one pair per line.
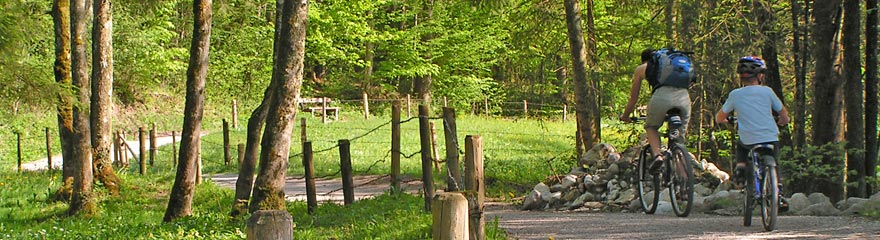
(664,99)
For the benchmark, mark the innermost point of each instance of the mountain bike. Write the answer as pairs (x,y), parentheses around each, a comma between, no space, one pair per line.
(676,173)
(762,184)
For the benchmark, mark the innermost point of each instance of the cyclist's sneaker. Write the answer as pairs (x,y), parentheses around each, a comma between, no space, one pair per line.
(783,204)
(655,166)
(739,174)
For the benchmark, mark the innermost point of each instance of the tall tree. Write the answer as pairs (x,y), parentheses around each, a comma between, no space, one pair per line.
(855,121)
(422,82)
(180,202)
(768,25)
(582,87)
(81,160)
(102,90)
(799,50)
(594,95)
(268,190)
(871,95)
(61,19)
(826,114)
(245,182)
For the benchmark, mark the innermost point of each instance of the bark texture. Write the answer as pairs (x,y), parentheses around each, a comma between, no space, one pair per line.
(268,192)
(180,202)
(102,95)
(82,201)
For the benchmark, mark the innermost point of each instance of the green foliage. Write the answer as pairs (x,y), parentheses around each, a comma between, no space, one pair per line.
(813,164)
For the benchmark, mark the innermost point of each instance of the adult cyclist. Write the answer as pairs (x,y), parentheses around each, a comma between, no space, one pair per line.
(754,105)
(663,98)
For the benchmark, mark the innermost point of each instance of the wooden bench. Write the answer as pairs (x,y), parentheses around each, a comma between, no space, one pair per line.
(320,105)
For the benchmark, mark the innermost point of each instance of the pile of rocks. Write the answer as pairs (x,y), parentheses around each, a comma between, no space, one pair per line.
(604,182)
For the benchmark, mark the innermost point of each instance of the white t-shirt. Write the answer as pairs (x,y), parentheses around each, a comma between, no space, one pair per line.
(754,106)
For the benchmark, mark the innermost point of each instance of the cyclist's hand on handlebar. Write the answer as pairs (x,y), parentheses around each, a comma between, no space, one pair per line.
(782,120)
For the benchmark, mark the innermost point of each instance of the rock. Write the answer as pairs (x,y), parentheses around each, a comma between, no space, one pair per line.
(625,196)
(664,207)
(533,201)
(594,205)
(875,196)
(568,181)
(612,170)
(544,191)
(819,209)
(846,203)
(701,190)
(861,208)
(798,202)
(571,195)
(613,158)
(596,156)
(717,173)
(612,195)
(817,198)
(557,188)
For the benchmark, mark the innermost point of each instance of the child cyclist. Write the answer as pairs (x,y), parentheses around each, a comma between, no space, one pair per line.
(754,105)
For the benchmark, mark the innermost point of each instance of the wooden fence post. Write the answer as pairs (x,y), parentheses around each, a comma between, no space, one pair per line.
(226,157)
(345,160)
(308,164)
(526,108)
(234,114)
(154,149)
(395,145)
(475,185)
(49,149)
(240,153)
(453,179)
(449,214)
(445,103)
(124,144)
(366,106)
(143,149)
(18,137)
(486,106)
(435,154)
(408,106)
(324,110)
(270,224)
(303,137)
(564,112)
(425,140)
(117,151)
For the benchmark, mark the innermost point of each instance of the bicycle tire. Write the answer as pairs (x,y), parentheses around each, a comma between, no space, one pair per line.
(647,184)
(748,194)
(681,181)
(770,196)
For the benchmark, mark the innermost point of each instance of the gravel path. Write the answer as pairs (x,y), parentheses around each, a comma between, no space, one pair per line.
(600,225)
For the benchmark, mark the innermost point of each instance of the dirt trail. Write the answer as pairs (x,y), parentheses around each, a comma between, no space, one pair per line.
(600,225)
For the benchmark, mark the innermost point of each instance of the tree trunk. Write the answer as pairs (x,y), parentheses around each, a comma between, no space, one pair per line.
(799,48)
(102,89)
(61,20)
(180,201)
(826,105)
(855,125)
(81,160)
(245,182)
(268,193)
(767,22)
(582,88)
(668,21)
(593,93)
(422,84)
(871,95)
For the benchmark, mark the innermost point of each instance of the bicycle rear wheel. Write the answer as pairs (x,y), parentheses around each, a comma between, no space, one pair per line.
(648,183)
(749,194)
(770,199)
(681,181)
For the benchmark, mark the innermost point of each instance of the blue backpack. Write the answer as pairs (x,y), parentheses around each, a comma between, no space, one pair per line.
(669,67)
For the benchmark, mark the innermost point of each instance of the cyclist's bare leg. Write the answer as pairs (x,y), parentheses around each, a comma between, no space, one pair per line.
(653,136)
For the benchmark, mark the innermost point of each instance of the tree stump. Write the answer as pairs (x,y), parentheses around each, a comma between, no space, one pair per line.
(450,215)
(270,224)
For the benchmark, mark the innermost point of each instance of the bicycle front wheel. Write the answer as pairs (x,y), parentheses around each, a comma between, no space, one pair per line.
(648,183)
(770,199)
(681,181)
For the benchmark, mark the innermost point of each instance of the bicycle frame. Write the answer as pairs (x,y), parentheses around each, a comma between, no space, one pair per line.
(758,165)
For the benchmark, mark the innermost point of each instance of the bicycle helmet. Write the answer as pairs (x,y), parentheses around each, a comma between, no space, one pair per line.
(750,64)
